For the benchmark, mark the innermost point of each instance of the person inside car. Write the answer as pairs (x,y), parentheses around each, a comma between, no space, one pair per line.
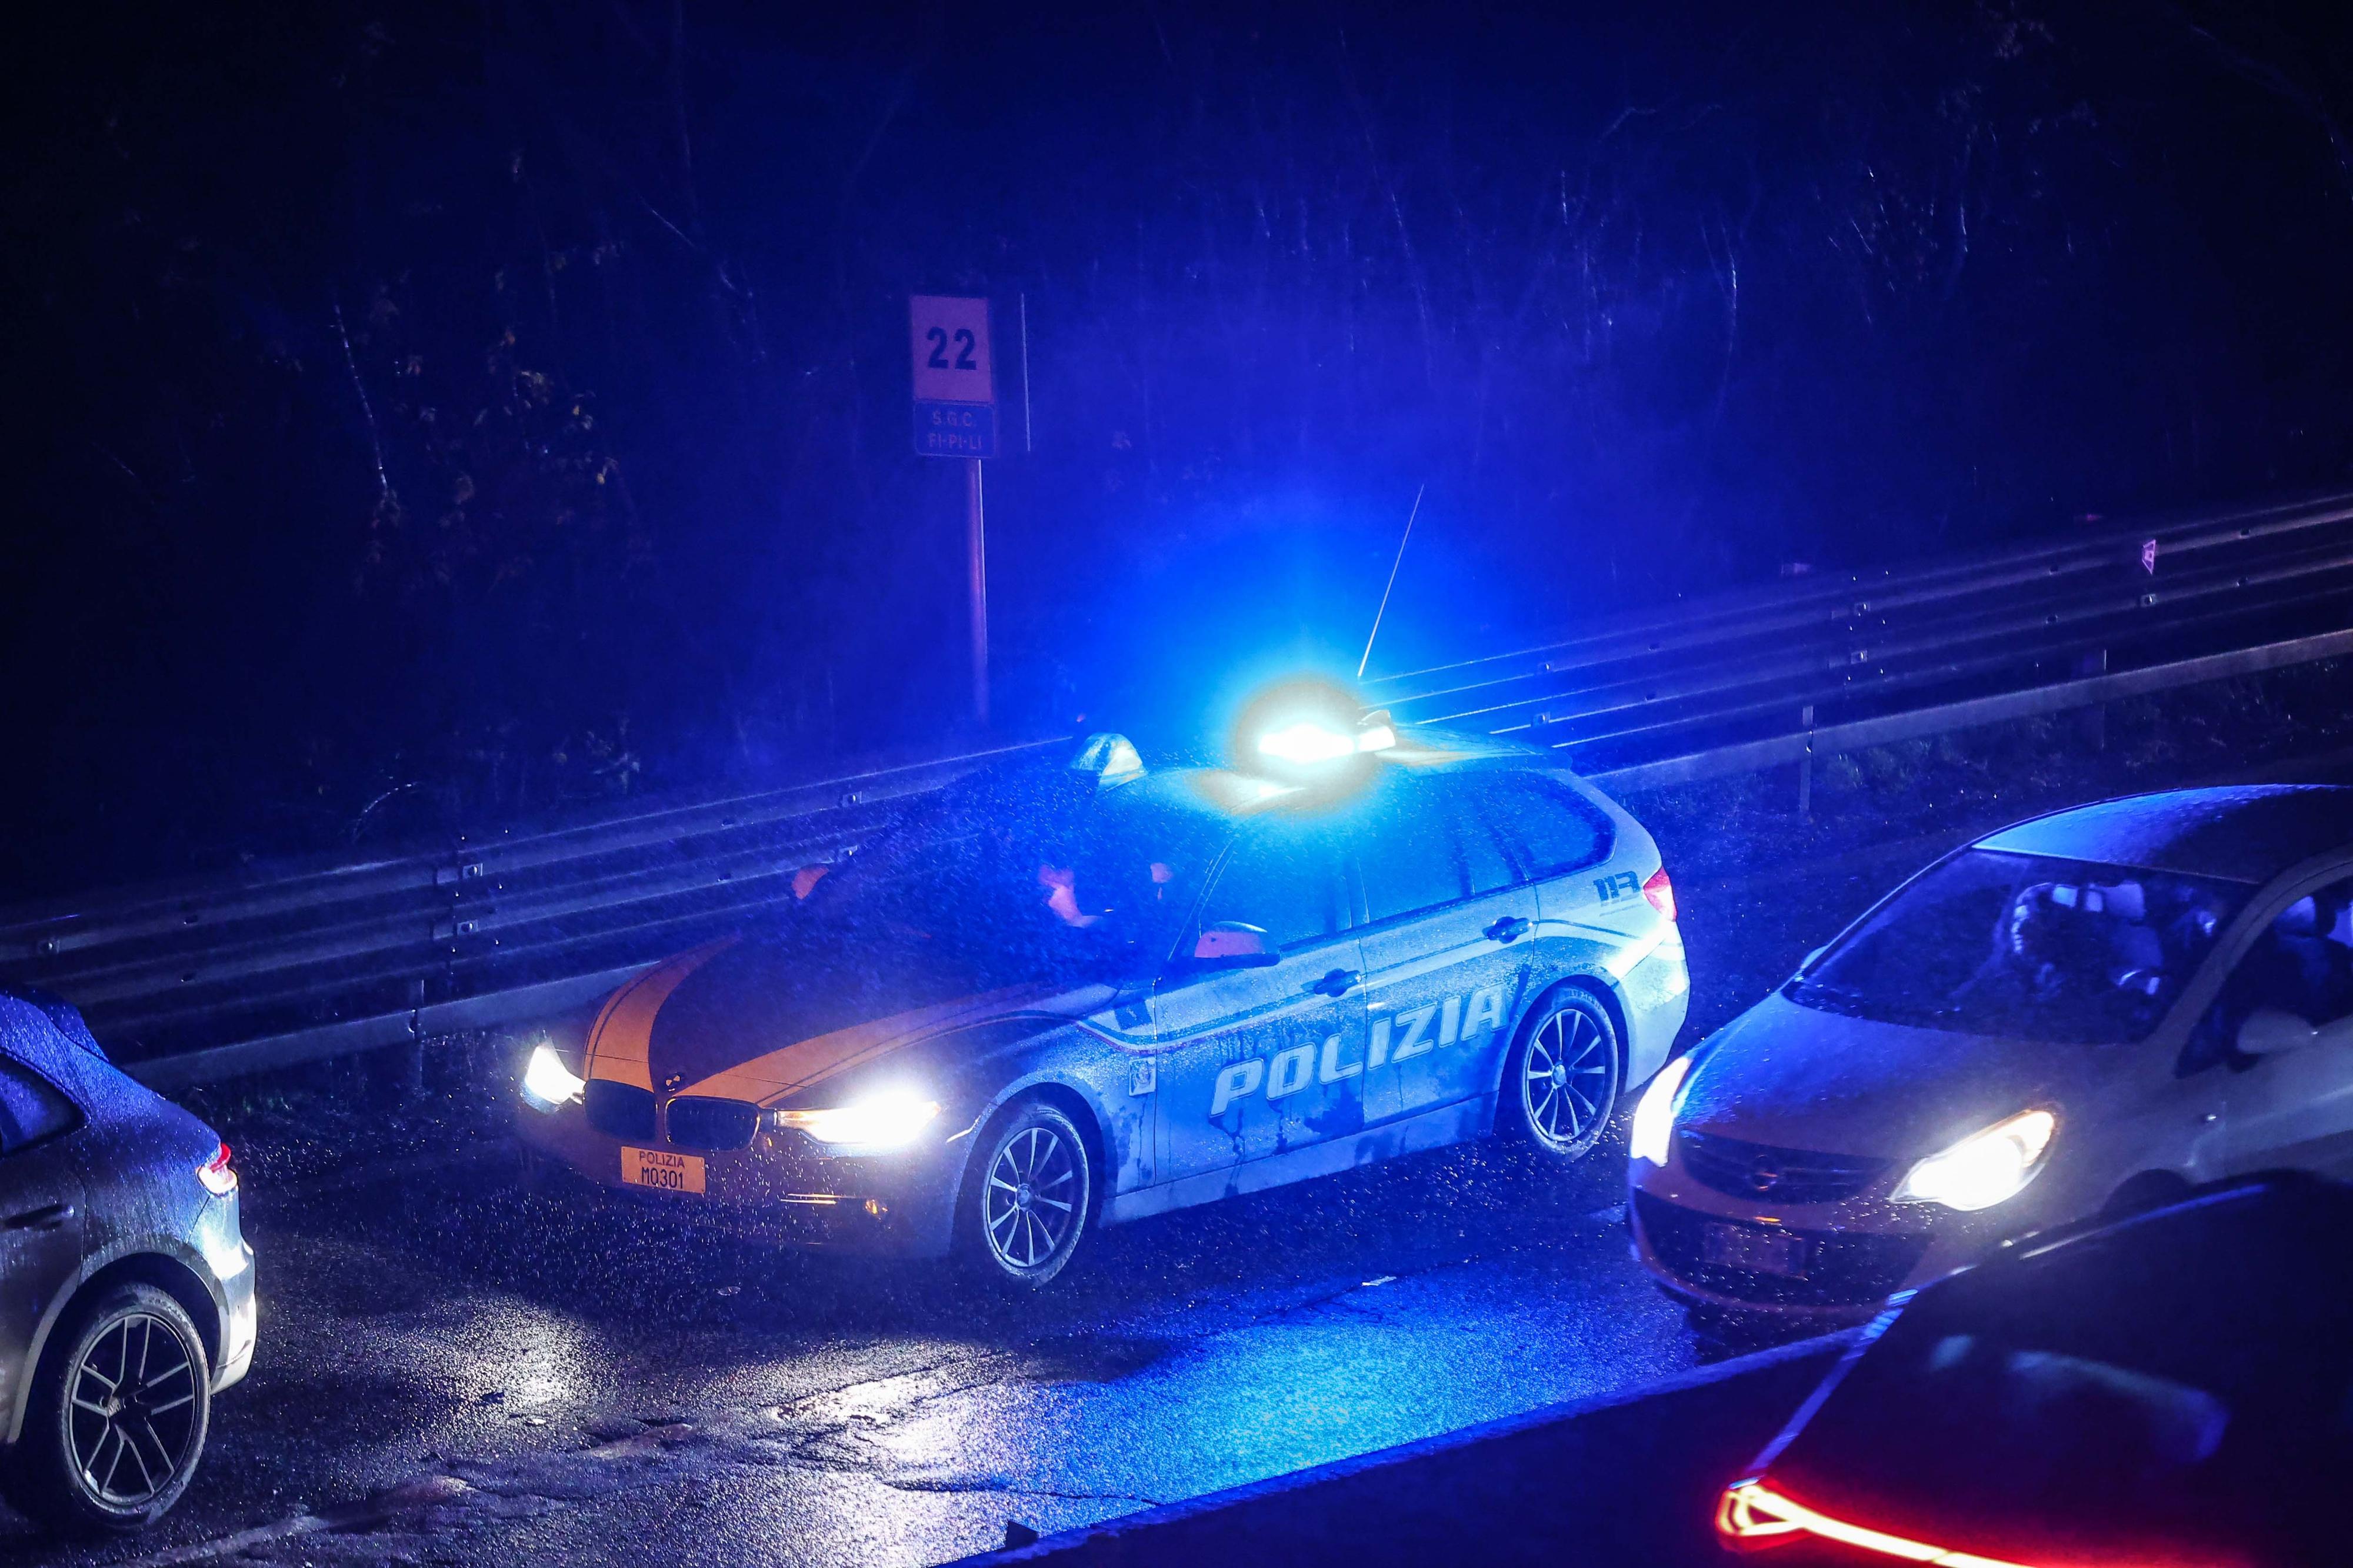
(2053,941)
(2298,965)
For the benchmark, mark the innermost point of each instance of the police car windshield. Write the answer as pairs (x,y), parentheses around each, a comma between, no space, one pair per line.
(1057,891)
(2026,947)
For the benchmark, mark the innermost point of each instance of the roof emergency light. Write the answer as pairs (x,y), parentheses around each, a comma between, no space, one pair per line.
(1305,741)
(1111,758)
(1310,732)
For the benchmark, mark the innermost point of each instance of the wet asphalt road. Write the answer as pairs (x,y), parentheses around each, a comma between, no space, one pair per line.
(453,1370)
(545,1386)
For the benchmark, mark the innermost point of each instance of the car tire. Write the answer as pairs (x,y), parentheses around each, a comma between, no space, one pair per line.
(1561,1085)
(1029,1197)
(87,1465)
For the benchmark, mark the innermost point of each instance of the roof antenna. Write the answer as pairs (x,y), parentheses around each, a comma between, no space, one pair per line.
(1392,583)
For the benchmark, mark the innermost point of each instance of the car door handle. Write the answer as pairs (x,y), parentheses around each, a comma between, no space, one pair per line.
(1511,928)
(51,1217)
(1335,984)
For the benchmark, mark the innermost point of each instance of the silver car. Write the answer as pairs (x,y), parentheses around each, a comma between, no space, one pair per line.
(126,1289)
(2095,1010)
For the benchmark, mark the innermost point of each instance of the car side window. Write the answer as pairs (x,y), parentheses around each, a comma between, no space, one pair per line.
(32,1109)
(1550,830)
(1282,884)
(2301,964)
(1408,860)
(1486,859)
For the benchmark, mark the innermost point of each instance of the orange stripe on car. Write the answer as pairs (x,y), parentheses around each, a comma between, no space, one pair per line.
(621,1043)
(787,1068)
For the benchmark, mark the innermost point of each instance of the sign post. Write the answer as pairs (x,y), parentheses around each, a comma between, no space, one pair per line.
(956,416)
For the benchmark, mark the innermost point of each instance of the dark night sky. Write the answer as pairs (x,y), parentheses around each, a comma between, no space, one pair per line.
(1649,304)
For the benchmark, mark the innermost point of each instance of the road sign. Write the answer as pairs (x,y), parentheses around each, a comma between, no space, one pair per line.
(955,429)
(955,390)
(956,416)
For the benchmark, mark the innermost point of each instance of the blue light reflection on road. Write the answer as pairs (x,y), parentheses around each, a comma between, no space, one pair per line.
(1338,1372)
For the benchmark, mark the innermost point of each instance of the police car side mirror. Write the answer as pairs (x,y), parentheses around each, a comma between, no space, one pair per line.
(1230,944)
(2269,1031)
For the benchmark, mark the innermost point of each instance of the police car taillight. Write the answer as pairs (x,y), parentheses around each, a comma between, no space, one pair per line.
(217,1174)
(1660,890)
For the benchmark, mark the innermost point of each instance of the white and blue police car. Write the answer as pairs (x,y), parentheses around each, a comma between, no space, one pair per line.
(1060,996)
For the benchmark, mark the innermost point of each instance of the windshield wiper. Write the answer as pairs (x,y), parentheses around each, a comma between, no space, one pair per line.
(1855,1003)
(1821,991)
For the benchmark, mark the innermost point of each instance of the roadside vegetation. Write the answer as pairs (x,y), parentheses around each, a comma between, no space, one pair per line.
(431,418)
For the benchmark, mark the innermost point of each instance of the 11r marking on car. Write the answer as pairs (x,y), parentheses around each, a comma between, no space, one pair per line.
(1616,886)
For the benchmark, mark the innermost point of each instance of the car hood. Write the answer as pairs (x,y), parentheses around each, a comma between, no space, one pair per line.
(755,1020)
(1798,1079)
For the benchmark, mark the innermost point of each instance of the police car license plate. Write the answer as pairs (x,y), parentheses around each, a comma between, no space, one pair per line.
(660,1169)
(1758,1251)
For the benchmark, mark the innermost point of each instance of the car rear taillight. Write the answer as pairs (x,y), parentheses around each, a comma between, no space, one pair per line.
(1660,892)
(217,1174)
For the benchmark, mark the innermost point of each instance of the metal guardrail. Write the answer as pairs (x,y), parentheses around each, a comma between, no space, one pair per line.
(203,981)
(1812,652)
(208,980)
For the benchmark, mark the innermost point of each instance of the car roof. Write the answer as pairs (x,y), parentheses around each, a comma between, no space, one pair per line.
(34,1032)
(2247,833)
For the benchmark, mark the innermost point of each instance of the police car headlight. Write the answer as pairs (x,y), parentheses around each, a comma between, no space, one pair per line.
(547,1083)
(1985,1168)
(1655,1118)
(877,1123)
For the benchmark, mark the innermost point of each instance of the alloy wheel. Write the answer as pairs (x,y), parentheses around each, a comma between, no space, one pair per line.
(1564,1079)
(1031,1204)
(133,1410)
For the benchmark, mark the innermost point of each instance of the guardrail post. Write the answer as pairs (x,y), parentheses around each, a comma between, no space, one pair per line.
(410,1078)
(1806,764)
(2093,723)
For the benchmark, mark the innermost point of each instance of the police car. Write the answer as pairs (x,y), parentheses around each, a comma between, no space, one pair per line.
(1060,996)
(2092,1011)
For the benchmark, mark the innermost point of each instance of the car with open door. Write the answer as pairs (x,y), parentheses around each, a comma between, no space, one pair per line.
(1067,994)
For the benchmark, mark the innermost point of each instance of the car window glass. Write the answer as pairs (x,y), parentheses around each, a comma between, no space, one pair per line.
(31,1107)
(1031,884)
(1483,856)
(2028,947)
(1406,860)
(1279,883)
(2301,964)
(1548,827)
